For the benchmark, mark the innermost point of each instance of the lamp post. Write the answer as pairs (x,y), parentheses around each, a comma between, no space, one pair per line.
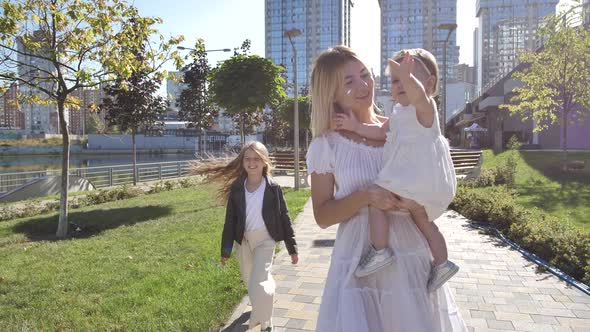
(205,51)
(450,27)
(291,34)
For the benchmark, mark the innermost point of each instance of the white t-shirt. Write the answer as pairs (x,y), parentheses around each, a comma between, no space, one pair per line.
(254,199)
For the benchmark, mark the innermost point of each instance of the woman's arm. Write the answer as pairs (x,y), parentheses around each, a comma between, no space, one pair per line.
(329,211)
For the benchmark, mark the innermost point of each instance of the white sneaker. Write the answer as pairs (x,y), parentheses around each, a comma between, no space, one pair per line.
(441,274)
(373,261)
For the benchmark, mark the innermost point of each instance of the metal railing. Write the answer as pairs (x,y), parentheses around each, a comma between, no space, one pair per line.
(103,176)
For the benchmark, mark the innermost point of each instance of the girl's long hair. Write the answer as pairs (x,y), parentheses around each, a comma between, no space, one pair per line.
(225,172)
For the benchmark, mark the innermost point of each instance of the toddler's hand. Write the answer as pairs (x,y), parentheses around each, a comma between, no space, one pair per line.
(223,261)
(294,259)
(346,121)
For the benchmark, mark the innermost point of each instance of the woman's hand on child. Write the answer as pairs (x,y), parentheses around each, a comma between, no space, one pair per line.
(346,121)
(223,261)
(383,199)
(294,259)
(408,204)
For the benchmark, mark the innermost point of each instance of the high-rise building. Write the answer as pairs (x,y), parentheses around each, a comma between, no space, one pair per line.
(174,87)
(505,27)
(323,23)
(10,115)
(465,73)
(38,117)
(88,101)
(414,24)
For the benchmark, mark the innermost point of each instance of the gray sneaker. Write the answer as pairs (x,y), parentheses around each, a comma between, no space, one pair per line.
(267,327)
(441,274)
(373,261)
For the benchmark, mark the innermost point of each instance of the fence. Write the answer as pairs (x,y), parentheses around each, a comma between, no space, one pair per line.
(104,176)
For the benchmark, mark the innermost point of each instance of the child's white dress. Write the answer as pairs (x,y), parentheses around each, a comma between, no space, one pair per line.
(417,162)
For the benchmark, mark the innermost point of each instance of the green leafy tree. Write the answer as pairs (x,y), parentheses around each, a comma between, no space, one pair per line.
(282,119)
(244,85)
(133,104)
(54,47)
(194,101)
(556,78)
(94,124)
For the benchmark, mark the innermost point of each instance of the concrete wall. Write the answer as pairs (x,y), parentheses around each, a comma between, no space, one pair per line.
(30,150)
(123,142)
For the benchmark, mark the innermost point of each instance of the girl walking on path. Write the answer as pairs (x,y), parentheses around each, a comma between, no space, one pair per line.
(256,218)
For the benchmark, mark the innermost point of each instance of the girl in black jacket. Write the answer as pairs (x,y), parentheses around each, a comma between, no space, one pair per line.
(256,218)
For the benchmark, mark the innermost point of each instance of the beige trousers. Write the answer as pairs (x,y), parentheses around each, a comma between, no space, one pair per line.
(255,257)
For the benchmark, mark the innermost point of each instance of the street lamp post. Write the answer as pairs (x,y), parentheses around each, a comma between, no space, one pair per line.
(289,34)
(450,27)
(205,51)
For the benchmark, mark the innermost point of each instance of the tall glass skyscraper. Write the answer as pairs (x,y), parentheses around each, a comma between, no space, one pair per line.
(505,27)
(323,23)
(413,24)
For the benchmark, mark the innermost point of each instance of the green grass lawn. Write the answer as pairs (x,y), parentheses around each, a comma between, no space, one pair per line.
(541,184)
(150,263)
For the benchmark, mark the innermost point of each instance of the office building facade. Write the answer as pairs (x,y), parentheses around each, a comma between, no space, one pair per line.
(323,23)
(415,24)
(506,27)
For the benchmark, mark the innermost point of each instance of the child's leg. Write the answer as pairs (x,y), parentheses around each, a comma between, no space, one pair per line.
(379,228)
(435,239)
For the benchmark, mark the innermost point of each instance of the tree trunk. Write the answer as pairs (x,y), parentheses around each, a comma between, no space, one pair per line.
(62,225)
(564,141)
(134,157)
(242,131)
(201,145)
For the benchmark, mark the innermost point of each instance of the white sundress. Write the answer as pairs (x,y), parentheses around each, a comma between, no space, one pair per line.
(395,299)
(417,162)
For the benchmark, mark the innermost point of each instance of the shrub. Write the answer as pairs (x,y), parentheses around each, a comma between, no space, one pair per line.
(109,195)
(556,241)
(513,143)
(505,173)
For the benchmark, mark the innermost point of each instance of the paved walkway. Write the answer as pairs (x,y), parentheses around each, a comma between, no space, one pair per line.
(496,289)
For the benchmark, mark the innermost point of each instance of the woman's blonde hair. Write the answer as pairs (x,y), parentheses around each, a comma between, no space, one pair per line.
(225,172)
(326,77)
(423,57)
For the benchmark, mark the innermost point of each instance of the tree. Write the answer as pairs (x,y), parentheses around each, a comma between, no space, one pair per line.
(282,122)
(556,78)
(94,124)
(134,106)
(194,101)
(244,85)
(132,103)
(53,47)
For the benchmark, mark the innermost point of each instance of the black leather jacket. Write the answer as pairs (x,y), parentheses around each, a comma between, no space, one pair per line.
(274,212)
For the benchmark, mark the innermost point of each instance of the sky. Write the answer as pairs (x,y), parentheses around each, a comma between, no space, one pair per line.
(227,23)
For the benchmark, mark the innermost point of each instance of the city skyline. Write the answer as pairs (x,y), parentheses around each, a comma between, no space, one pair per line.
(320,24)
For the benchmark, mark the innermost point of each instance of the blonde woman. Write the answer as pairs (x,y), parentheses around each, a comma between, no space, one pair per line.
(417,162)
(256,218)
(343,165)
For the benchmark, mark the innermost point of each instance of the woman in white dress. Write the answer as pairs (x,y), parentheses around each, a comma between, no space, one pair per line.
(342,166)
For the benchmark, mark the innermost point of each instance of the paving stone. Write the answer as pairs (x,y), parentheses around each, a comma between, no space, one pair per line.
(497,289)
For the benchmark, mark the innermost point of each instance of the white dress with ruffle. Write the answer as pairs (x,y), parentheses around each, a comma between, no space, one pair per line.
(395,299)
(417,162)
